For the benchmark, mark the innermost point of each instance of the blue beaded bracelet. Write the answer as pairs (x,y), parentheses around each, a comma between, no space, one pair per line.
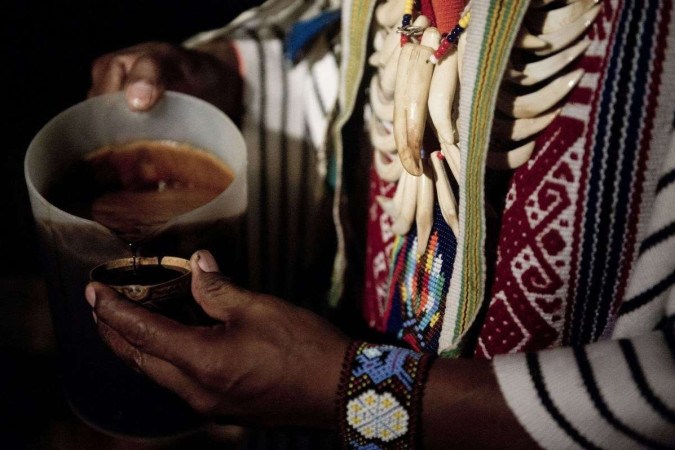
(380,397)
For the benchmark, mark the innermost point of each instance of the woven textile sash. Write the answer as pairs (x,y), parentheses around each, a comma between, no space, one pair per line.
(494,27)
(569,232)
(356,18)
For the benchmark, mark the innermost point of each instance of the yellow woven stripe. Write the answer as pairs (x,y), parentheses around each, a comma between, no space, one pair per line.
(358,26)
(501,27)
(358,34)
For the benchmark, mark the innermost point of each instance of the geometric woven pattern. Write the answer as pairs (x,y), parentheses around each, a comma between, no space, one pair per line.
(377,416)
(570,223)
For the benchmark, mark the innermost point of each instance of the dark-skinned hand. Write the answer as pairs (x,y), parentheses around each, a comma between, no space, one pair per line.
(264,361)
(146,70)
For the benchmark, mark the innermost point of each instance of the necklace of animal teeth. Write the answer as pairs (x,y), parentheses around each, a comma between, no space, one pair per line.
(407,30)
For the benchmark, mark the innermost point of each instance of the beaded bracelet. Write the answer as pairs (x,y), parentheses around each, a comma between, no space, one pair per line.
(380,396)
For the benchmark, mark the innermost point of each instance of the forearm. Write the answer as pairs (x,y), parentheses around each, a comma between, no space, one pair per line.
(463,407)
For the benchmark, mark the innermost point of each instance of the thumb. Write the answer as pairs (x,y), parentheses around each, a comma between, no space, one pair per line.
(213,292)
(144,85)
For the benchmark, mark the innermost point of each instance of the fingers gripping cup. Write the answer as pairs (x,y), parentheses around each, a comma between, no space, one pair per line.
(159,284)
(146,281)
(127,197)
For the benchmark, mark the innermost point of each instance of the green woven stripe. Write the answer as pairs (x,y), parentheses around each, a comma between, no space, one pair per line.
(358,27)
(501,28)
(361,14)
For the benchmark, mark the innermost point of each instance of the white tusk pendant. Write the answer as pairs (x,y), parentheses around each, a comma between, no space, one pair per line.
(444,87)
(542,3)
(424,215)
(403,221)
(538,71)
(391,42)
(549,21)
(446,198)
(390,66)
(380,137)
(400,191)
(511,159)
(535,103)
(378,39)
(382,108)
(565,36)
(389,14)
(413,79)
(519,129)
(453,158)
(528,41)
(392,206)
(387,168)
(387,205)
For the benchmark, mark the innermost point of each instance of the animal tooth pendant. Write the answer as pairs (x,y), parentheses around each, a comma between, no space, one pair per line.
(424,214)
(444,86)
(520,129)
(548,21)
(380,137)
(389,169)
(511,159)
(535,72)
(413,79)
(392,206)
(446,198)
(389,13)
(403,221)
(452,157)
(391,42)
(563,37)
(389,66)
(527,40)
(382,108)
(535,103)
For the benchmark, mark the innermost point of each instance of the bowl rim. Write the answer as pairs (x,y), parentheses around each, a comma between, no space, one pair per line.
(173,262)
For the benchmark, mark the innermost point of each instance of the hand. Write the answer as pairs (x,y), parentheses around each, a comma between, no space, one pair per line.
(265,361)
(146,70)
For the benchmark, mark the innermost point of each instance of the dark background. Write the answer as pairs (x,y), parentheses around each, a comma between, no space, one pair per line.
(47,49)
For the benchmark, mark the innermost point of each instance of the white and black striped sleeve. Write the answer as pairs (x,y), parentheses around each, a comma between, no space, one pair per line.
(611,394)
(654,273)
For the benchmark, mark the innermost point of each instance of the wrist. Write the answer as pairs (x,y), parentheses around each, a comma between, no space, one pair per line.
(320,385)
(380,396)
(461,400)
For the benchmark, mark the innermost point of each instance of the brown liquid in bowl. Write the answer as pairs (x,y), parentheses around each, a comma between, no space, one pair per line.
(135,188)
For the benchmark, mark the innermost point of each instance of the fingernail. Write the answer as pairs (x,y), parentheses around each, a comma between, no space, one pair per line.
(140,94)
(206,261)
(90,295)
(93,315)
